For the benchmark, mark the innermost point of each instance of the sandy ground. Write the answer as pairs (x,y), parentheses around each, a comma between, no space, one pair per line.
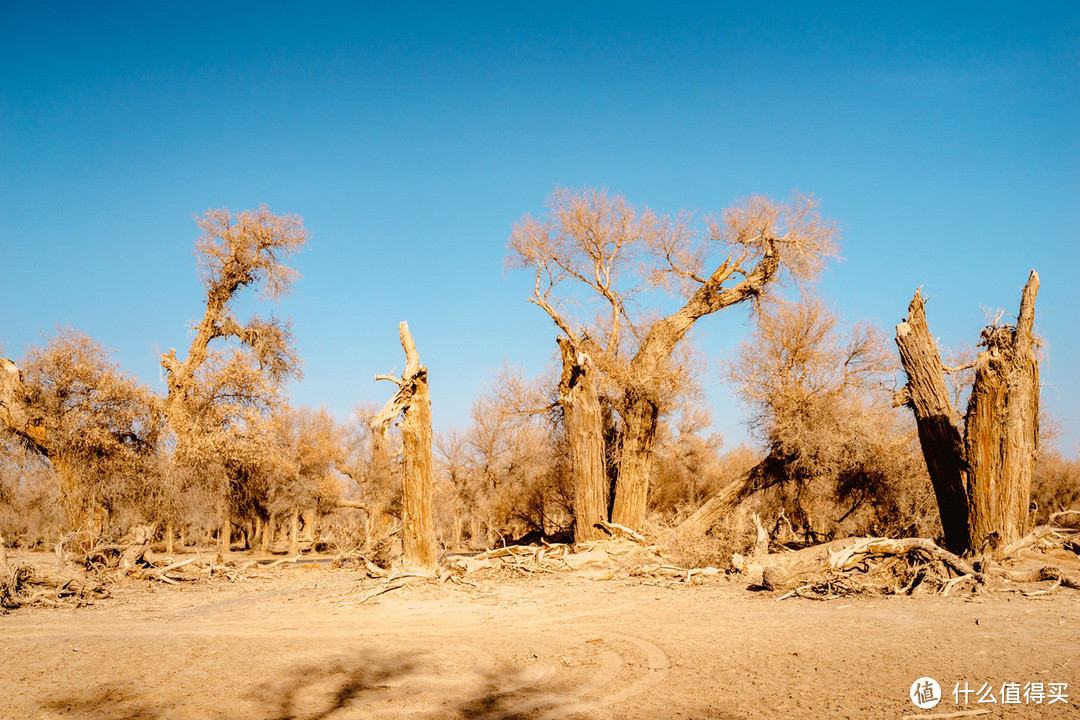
(295,644)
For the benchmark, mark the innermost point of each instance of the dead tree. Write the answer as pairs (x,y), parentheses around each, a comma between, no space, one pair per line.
(581,416)
(413,403)
(982,469)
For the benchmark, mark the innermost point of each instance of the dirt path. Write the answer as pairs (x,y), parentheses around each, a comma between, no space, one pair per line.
(547,647)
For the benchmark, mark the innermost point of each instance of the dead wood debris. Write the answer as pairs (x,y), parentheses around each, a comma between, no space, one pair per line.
(884,566)
(626,555)
(21,585)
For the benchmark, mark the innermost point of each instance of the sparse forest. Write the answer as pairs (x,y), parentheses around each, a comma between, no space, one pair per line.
(865,480)
(614,441)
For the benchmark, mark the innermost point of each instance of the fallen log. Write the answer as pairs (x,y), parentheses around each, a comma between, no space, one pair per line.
(851,557)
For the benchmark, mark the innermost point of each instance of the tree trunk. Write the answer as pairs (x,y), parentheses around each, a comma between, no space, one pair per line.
(294,532)
(1003,428)
(77,511)
(267,535)
(413,402)
(170,533)
(226,535)
(584,432)
(310,519)
(418,533)
(458,527)
(939,427)
(765,474)
(635,460)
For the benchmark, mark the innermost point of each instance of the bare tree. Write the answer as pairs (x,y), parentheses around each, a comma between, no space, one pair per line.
(982,468)
(413,403)
(607,254)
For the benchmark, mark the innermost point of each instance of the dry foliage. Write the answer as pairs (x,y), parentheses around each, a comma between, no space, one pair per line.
(816,392)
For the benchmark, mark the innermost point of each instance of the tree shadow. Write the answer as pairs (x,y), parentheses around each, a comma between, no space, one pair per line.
(108,702)
(366,684)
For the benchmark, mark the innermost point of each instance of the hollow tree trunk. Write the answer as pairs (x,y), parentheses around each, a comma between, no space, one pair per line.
(939,427)
(584,432)
(413,402)
(1003,428)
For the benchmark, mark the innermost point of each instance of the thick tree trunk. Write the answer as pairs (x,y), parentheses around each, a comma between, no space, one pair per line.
(650,367)
(1002,430)
(418,536)
(583,422)
(310,520)
(267,536)
(413,402)
(19,415)
(939,427)
(640,414)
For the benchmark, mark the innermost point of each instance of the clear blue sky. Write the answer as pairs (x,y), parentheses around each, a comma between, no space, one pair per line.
(944,137)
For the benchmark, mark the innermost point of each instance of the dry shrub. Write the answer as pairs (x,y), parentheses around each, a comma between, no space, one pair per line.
(1056,485)
(734,534)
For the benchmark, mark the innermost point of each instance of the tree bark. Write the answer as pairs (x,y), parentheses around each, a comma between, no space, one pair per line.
(18,413)
(639,417)
(267,536)
(1002,430)
(583,422)
(413,402)
(170,534)
(939,426)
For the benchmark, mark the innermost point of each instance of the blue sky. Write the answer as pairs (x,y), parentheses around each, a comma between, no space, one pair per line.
(944,138)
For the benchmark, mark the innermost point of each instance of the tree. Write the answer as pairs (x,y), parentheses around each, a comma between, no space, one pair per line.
(982,468)
(604,253)
(816,392)
(412,402)
(221,392)
(98,426)
(311,447)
